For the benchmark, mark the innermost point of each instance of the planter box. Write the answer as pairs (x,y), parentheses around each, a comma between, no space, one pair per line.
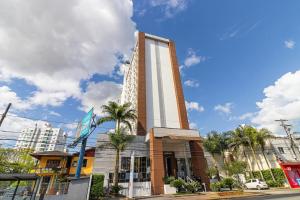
(169,190)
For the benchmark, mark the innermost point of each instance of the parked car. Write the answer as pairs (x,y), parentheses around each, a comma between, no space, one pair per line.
(256,184)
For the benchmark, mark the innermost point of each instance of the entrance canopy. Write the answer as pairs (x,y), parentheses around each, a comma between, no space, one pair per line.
(175,133)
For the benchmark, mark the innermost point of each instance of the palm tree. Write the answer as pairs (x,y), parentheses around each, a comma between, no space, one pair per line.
(119,141)
(250,136)
(238,139)
(118,113)
(261,137)
(216,143)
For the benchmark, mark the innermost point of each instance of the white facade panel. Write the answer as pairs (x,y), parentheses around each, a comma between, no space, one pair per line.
(152,95)
(170,101)
(162,110)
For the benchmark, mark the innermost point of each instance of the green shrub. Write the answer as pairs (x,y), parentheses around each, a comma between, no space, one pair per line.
(97,187)
(216,187)
(277,172)
(178,184)
(228,182)
(116,189)
(168,179)
(192,186)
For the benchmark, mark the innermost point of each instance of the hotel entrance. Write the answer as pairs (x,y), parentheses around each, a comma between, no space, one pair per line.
(170,164)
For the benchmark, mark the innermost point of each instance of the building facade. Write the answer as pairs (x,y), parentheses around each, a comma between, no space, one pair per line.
(164,144)
(44,138)
(278,153)
(55,167)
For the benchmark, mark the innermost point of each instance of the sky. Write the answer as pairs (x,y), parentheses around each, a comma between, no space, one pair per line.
(239,60)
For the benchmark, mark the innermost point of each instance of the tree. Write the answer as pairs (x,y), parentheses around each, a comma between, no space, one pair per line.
(217,143)
(118,113)
(235,168)
(239,140)
(118,141)
(261,137)
(250,135)
(16,160)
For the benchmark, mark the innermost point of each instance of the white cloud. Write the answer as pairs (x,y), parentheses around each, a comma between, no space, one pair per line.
(290,44)
(15,125)
(225,108)
(193,125)
(54,113)
(170,7)
(193,58)
(191,83)
(247,115)
(54,45)
(282,101)
(190,106)
(98,94)
(9,96)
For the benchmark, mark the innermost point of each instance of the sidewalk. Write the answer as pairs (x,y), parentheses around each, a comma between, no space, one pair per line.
(217,195)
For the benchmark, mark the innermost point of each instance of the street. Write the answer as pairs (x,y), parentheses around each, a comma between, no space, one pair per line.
(293,196)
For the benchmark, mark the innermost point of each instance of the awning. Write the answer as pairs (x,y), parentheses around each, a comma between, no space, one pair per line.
(15,177)
(184,138)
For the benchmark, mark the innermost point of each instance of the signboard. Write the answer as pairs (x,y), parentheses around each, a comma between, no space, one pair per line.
(85,124)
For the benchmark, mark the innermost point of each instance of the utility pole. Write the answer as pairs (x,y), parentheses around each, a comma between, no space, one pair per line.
(287,129)
(4,114)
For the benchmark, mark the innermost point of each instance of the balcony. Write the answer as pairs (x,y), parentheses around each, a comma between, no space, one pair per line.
(50,170)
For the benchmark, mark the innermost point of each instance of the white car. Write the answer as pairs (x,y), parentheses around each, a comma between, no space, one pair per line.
(256,184)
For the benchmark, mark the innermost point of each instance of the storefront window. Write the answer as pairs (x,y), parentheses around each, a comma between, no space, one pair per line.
(141,170)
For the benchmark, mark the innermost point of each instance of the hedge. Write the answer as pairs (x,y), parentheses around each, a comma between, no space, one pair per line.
(278,175)
(97,190)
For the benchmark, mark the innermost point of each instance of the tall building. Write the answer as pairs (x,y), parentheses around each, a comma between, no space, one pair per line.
(164,144)
(44,138)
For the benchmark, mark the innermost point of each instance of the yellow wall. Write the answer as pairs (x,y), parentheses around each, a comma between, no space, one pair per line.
(43,161)
(84,170)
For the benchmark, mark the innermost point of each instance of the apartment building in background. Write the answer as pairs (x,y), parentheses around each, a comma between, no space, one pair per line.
(42,138)
(164,144)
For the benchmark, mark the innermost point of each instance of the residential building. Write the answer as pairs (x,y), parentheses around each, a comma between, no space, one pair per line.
(164,144)
(44,138)
(55,167)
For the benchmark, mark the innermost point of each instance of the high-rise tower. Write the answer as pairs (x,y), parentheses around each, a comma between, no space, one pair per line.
(164,145)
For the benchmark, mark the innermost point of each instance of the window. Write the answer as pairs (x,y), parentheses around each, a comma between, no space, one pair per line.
(141,170)
(280,149)
(52,163)
(84,163)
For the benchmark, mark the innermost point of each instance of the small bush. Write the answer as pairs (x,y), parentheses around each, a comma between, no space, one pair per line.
(228,182)
(192,186)
(116,189)
(178,184)
(272,183)
(168,179)
(97,187)
(216,187)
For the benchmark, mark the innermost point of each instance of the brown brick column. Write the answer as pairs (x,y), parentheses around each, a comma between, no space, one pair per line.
(184,124)
(141,86)
(157,164)
(199,164)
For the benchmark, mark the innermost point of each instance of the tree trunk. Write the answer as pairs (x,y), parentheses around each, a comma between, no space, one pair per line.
(259,169)
(116,173)
(249,163)
(268,165)
(118,125)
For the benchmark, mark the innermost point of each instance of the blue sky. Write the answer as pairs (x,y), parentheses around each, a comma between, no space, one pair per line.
(232,54)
